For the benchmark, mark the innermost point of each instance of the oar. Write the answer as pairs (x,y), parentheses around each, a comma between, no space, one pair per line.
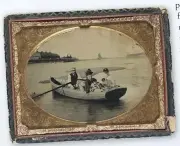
(52,90)
(81,79)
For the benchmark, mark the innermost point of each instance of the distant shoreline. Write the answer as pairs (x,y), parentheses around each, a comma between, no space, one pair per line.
(78,60)
(99,59)
(51,61)
(64,61)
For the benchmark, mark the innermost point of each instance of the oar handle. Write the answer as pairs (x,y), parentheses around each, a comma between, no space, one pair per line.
(57,88)
(52,90)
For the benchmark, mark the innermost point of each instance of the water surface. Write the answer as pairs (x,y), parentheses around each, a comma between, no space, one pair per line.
(136,77)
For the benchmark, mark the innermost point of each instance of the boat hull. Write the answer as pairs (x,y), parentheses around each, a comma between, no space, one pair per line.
(112,94)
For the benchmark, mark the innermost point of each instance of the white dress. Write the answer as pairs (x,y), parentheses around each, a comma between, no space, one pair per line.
(108,79)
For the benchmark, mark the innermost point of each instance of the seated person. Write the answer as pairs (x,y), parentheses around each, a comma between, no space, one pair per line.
(88,83)
(73,78)
(88,80)
(106,84)
(94,85)
(104,81)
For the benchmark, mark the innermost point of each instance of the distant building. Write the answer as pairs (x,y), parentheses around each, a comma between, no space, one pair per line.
(36,56)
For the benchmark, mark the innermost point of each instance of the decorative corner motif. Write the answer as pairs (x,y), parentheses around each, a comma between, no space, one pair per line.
(16,27)
(22,130)
(154,20)
(160,123)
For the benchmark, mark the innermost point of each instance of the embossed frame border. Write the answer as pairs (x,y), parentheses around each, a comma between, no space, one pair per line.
(93,135)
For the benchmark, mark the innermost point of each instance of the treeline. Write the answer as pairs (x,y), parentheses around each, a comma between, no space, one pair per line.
(48,55)
(42,57)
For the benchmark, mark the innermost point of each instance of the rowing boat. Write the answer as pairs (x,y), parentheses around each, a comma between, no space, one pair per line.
(81,72)
(114,93)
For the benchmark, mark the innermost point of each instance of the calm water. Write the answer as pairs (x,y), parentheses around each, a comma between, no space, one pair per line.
(136,77)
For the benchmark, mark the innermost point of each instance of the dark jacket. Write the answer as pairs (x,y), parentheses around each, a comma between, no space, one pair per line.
(88,85)
(74,78)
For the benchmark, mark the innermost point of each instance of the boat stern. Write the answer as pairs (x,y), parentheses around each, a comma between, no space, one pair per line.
(115,94)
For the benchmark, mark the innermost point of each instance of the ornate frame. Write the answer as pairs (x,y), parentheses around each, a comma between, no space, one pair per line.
(155,17)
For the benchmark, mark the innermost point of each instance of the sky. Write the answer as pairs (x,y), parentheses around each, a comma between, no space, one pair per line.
(88,42)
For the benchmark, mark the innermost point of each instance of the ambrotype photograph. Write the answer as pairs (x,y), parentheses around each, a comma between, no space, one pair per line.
(92,73)
(89,75)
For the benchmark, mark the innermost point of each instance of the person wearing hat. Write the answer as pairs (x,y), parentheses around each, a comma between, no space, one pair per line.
(73,77)
(107,79)
(95,85)
(88,80)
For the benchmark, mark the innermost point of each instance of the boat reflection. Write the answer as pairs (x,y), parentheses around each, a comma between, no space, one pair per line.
(87,111)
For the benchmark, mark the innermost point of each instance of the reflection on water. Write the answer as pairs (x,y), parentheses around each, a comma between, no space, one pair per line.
(136,77)
(86,111)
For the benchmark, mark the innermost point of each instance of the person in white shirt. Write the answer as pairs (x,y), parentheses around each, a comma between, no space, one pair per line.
(107,80)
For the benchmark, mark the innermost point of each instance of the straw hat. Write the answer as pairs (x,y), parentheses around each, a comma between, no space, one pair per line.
(73,69)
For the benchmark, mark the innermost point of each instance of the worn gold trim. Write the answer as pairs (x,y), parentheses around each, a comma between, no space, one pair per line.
(66,31)
(172,123)
(18,73)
